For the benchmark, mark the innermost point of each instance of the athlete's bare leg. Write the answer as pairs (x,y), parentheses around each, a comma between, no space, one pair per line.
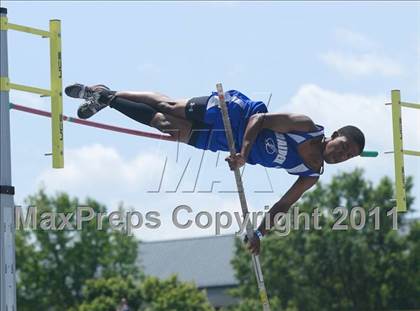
(178,128)
(162,113)
(158,101)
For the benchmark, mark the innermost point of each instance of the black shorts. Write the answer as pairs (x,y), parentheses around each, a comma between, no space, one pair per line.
(195,111)
(196,108)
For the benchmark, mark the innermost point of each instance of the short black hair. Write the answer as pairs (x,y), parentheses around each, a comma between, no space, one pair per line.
(355,134)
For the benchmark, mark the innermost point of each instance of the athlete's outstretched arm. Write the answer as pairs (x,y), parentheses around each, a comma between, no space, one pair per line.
(289,198)
(282,206)
(279,122)
(288,122)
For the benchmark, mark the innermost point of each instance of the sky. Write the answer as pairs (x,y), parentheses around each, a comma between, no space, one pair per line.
(335,62)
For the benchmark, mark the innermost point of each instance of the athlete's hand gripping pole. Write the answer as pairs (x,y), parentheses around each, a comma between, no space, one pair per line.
(244,206)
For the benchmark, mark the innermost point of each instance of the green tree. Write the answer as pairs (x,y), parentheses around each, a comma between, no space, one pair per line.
(350,269)
(105,294)
(173,295)
(151,294)
(53,265)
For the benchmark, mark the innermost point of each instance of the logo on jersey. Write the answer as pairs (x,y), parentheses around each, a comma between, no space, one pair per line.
(191,108)
(270,147)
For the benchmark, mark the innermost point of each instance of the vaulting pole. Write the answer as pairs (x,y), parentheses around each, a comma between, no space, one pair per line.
(241,192)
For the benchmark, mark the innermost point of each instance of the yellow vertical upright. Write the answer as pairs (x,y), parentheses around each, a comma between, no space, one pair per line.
(398,151)
(56,95)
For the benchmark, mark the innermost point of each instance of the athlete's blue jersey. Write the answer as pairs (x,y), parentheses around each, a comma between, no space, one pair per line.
(270,149)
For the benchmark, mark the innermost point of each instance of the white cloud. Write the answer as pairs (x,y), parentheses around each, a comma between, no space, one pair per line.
(333,110)
(359,56)
(362,64)
(96,169)
(106,175)
(354,39)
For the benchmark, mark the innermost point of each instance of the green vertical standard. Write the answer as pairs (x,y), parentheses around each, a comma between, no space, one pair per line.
(398,151)
(55,91)
(56,95)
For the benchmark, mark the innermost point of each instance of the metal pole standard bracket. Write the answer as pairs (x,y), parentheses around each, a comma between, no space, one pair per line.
(4,84)
(7,190)
(3,22)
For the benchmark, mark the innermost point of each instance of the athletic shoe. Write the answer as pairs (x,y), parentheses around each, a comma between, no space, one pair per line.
(94,105)
(88,109)
(78,90)
(97,98)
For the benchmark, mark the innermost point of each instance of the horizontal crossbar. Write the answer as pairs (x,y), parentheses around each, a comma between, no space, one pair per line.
(410,105)
(93,124)
(30,89)
(30,30)
(412,152)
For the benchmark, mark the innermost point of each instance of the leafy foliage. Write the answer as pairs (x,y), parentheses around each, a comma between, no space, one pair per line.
(305,270)
(53,265)
(89,269)
(172,295)
(150,295)
(105,294)
(326,269)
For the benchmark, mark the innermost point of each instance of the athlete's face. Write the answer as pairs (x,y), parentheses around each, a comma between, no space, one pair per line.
(339,149)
